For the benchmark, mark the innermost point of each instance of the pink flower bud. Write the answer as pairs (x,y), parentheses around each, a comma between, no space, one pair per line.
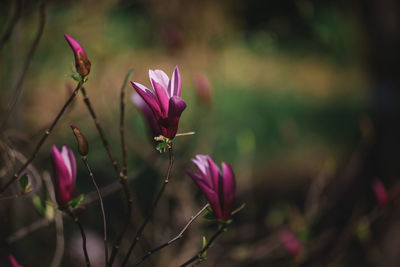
(203,88)
(83,146)
(13,261)
(64,168)
(218,187)
(290,241)
(164,100)
(380,192)
(82,63)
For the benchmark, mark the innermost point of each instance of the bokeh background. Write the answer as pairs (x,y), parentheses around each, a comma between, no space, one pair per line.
(301,97)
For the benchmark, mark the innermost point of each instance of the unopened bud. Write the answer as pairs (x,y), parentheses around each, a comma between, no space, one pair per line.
(82,63)
(83,146)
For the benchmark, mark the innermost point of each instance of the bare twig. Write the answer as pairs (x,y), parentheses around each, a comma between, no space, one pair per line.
(141,228)
(121,176)
(76,220)
(18,87)
(13,22)
(42,140)
(200,253)
(121,124)
(176,238)
(84,159)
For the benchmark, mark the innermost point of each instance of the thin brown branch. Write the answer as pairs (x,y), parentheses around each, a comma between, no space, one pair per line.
(13,22)
(18,88)
(123,179)
(141,228)
(76,220)
(42,140)
(200,253)
(84,159)
(176,238)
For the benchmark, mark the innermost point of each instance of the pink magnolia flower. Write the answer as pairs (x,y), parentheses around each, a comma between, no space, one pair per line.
(64,167)
(219,187)
(380,192)
(290,241)
(164,100)
(13,261)
(203,88)
(82,63)
(147,113)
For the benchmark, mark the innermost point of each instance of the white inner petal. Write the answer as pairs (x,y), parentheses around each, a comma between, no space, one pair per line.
(65,157)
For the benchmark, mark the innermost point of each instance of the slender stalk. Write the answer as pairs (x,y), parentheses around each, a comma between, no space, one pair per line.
(84,159)
(42,140)
(76,220)
(13,22)
(18,87)
(101,133)
(176,238)
(198,255)
(141,228)
(123,179)
(122,126)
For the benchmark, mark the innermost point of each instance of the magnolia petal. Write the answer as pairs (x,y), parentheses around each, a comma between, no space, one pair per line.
(72,161)
(76,47)
(149,97)
(228,194)
(210,194)
(176,106)
(163,98)
(201,163)
(160,77)
(176,82)
(66,159)
(147,113)
(215,176)
(62,177)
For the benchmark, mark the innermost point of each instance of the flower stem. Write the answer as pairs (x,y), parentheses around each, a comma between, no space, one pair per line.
(18,87)
(76,220)
(141,228)
(121,125)
(124,174)
(84,159)
(176,238)
(42,140)
(198,255)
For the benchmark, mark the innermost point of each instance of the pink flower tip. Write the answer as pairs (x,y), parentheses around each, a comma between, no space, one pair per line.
(290,242)
(82,62)
(13,261)
(380,192)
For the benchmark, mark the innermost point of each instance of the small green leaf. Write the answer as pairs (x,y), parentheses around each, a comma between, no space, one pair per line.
(24,181)
(210,215)
(49,211)
(37,203)
(75,202)
(239,209)
(164,143)
(203,255)
(76,76)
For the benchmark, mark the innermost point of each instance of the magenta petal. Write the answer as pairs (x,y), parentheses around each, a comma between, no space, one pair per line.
(76,47)
(176,82)
(210,194)
(214,176)
(176,107)
(62,177)
(149,97)
(163,98)
(73,166)
(160,77)
(13,261)
(201,163)
(229,186)
(147,113)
